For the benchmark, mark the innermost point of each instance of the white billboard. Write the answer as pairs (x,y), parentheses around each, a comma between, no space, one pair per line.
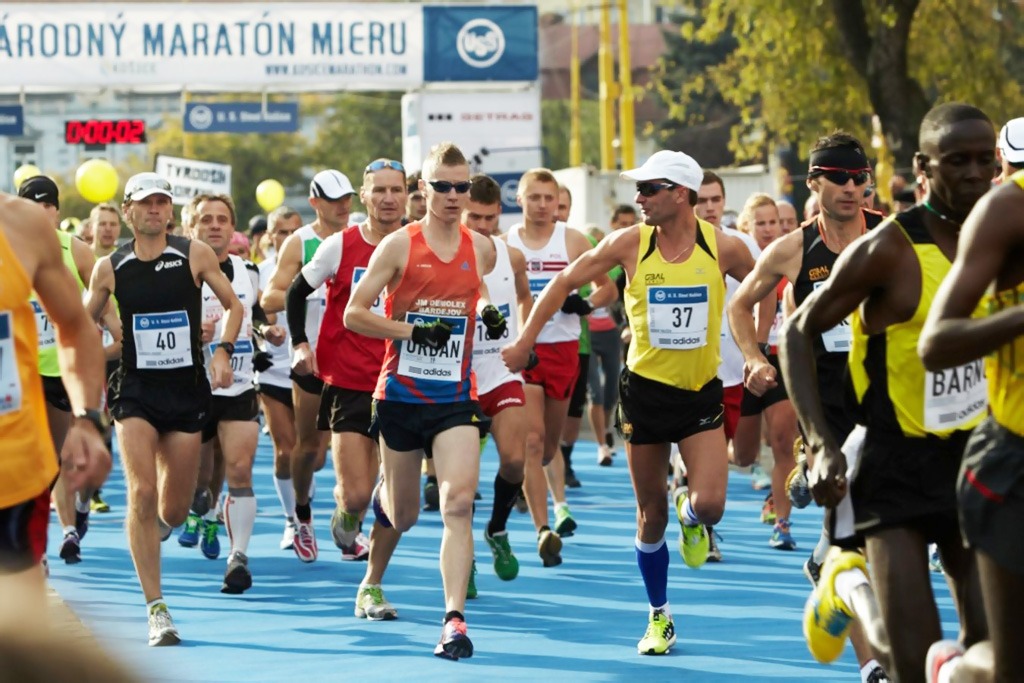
(190,178)
(223,46)
(499,132)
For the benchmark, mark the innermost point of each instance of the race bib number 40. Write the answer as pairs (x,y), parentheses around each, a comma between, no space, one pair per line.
(378,303)
(162,340)
(956,397)
(44,328)
(10,380)
(443,364)
(677,317)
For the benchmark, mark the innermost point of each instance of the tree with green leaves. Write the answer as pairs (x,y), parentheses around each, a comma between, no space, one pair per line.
(805,67)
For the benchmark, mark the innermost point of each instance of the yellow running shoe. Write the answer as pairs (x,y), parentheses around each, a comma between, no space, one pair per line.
(660,635)
(693,541)
(827,619)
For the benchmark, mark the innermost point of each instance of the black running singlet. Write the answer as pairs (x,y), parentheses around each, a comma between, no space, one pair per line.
(161,311)
(832,348)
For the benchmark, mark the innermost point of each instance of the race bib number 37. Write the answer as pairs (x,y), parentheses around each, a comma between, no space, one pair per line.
(10,381)
(956,397)
(677,317)
(162,340)
(443,364)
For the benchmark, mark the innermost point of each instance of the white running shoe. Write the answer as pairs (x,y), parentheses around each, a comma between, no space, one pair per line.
(288,537)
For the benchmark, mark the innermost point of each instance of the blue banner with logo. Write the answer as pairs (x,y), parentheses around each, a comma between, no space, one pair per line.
(509,183)
(241,117)
(480,43)
(12,120)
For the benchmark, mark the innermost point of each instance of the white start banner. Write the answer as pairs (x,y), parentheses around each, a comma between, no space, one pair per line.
(190,178)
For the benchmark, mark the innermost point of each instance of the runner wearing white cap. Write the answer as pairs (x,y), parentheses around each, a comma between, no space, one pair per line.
(1010,147)
(330,195)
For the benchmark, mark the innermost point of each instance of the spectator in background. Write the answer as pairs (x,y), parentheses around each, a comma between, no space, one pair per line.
(1010,148)
(415,203)
(105,219)
(624,216)
(257,231)
(729,219)
(240,245)
(788,221)
(811,208)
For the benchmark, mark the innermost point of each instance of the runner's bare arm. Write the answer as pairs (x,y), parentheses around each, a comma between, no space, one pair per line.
(101,286)
(604,291)
(523,296)
(84,259)
(385,267)
(207,269)
(992,231)
(289,262)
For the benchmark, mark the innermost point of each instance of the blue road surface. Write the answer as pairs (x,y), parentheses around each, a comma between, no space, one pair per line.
(736,621)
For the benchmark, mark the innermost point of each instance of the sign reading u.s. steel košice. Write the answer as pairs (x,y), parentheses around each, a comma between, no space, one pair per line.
(209,45)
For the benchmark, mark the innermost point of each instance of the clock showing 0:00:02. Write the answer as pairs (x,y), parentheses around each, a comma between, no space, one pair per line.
(105,132)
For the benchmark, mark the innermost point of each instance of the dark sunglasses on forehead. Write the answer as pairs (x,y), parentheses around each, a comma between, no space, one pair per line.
(649,189)
(841,176)
(147,184)
(381,164)
(444,186)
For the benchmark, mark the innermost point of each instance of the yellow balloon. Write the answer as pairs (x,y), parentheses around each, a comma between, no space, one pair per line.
(97,181)
(269,194)
(23,173)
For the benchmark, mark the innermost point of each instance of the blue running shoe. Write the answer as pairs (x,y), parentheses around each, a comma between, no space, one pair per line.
(210,544)
(781,538)
(189,536)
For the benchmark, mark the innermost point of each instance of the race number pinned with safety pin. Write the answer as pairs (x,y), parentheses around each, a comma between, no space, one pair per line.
(677,317)
(10,380)
(163,341)
(443,364)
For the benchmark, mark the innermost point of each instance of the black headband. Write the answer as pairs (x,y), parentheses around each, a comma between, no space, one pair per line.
(850,158)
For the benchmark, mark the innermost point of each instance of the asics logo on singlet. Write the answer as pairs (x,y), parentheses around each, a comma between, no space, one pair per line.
(160,265)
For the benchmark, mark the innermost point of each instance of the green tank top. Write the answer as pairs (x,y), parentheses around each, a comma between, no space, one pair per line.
(48,365)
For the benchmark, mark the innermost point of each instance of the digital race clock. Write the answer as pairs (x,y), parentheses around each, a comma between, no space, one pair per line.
(105,132)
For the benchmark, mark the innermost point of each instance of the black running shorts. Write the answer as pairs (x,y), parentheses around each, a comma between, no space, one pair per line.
(413,426)
(578,400)
(171,405)
(345,410)
(241,408)
(55,393)
(276,393)
(652,413)
(755,405)
(311,384)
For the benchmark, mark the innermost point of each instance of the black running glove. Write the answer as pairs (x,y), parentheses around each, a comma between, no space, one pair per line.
(577,305)
(435,334)
(261,361)
(494,321)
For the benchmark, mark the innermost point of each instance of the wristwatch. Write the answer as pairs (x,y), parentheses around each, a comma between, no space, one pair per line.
(766,349)
(97,417)
(227,346)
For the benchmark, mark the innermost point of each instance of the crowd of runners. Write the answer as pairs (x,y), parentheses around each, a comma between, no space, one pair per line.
(873,351)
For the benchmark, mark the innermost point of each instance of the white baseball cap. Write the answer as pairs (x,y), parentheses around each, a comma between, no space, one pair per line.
(330,185)
(142,185)
(1011,141)
(675,167)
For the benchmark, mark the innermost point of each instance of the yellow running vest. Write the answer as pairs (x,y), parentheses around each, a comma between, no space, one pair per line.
(28,462)
(675,312)
(48,364)
(897,393)
(1005,367)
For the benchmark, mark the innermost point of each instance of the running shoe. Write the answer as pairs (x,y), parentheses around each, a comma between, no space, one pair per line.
(189,536)
(604,456)
(209,544)
(454,643)
(759,479)
(522,507)
(714,553)
(768,515)
(81,523)
(781,538)
(934,559)
(161,627)
(97,504)
(305,541)
(431,496)
(371,604)
(70,548)
(939,654)
(237,578)
(549,547)
(506,566)
(288,537)
(797,487)
(565,525)
(693,541)
(812,570)
(878,675)
(827,619)
(571,481)
(660,635)
(344,528)
(359,550)
(471,592)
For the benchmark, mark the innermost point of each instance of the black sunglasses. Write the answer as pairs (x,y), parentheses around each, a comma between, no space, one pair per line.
(651,189)
(381,164)
(444,186)
(841,176)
